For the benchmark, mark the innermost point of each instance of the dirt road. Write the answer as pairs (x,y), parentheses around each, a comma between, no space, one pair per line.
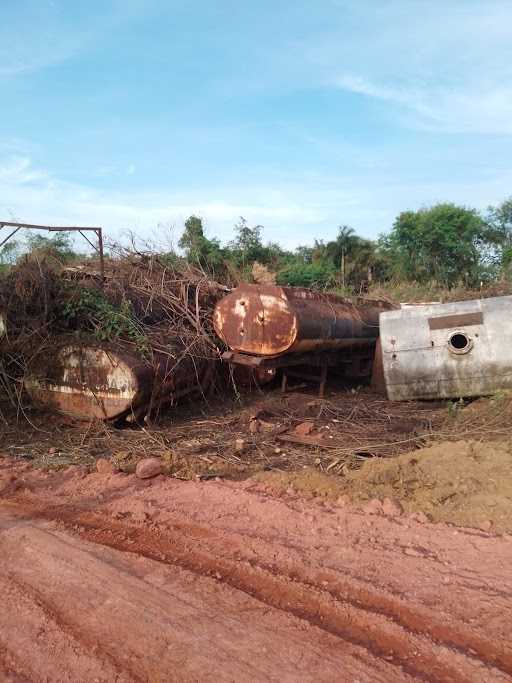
(107,578)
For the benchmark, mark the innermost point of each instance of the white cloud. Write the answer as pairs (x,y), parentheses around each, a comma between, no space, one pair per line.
(446,65)
(293,212)
(18,170)
(485,110)
(35,196)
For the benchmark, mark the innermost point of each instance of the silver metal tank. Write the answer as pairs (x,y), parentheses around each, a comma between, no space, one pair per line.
(448,350)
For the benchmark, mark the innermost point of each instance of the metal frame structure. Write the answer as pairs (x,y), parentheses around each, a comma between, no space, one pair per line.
(50,228)
(357,360)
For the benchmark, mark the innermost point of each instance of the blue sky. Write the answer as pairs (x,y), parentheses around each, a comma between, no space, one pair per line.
(300,116)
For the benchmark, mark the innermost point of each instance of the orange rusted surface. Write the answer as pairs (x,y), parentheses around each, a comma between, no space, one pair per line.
(104,383)
(268,320)
(89,382)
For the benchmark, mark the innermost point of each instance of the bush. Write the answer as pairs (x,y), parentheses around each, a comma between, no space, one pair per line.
(314,275)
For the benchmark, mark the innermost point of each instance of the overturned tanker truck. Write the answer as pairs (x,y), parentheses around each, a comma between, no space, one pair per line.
(268,327)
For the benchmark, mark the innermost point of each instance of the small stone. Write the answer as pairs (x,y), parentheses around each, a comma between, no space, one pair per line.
(486,526)
(290,491)
(373,507)
(104,466)
(53,450)
(148,467)
(304,428)
(419,517)
(391,507)
(277,451)
(343,500)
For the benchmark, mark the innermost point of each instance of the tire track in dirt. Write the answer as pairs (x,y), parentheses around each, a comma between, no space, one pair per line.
(174,629)
(430,602)
(422,648)
(20,599)
(358,595)
(83,644)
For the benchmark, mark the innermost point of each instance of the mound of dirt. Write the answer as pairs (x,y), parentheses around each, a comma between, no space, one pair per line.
(467,483)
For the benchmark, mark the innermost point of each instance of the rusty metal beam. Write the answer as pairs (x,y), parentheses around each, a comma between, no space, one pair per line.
(333,358)
(50,228)
(53,228)
(8,237)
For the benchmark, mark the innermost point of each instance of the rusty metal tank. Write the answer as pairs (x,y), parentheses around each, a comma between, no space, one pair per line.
(268,320)
(106,383)
(450,350)
(90,382)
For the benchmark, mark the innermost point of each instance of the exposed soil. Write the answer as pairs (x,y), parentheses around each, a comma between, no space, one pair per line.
(298,572)
(105,577)
(468,483)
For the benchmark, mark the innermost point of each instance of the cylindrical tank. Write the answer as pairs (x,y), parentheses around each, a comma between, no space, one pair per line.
(268,320)
(107,383)
(90,382)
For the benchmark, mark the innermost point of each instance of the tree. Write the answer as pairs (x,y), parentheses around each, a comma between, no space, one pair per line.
(499,225)
(341,247)
(9,253)
(443,243)
(193,238)
(304,254)
(197,247)
(247,247)
(60,246)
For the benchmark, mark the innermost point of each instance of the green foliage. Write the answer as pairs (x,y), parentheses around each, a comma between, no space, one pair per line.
(315,275)
(89,309)
(198,248)
(8,255)
(171,259)
(247,248)
(60,246)
(442,243)
(499,226)
(9,252)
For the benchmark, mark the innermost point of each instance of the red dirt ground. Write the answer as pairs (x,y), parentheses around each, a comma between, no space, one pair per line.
(109,578)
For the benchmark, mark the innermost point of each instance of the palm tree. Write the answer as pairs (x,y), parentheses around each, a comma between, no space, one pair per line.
(338,250)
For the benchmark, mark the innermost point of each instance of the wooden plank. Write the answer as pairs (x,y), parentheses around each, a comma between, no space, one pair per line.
(444,322)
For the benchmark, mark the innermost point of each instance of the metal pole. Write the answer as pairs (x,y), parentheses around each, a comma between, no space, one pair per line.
(102,260)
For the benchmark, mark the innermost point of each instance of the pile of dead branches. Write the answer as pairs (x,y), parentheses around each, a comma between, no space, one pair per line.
(156,309)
